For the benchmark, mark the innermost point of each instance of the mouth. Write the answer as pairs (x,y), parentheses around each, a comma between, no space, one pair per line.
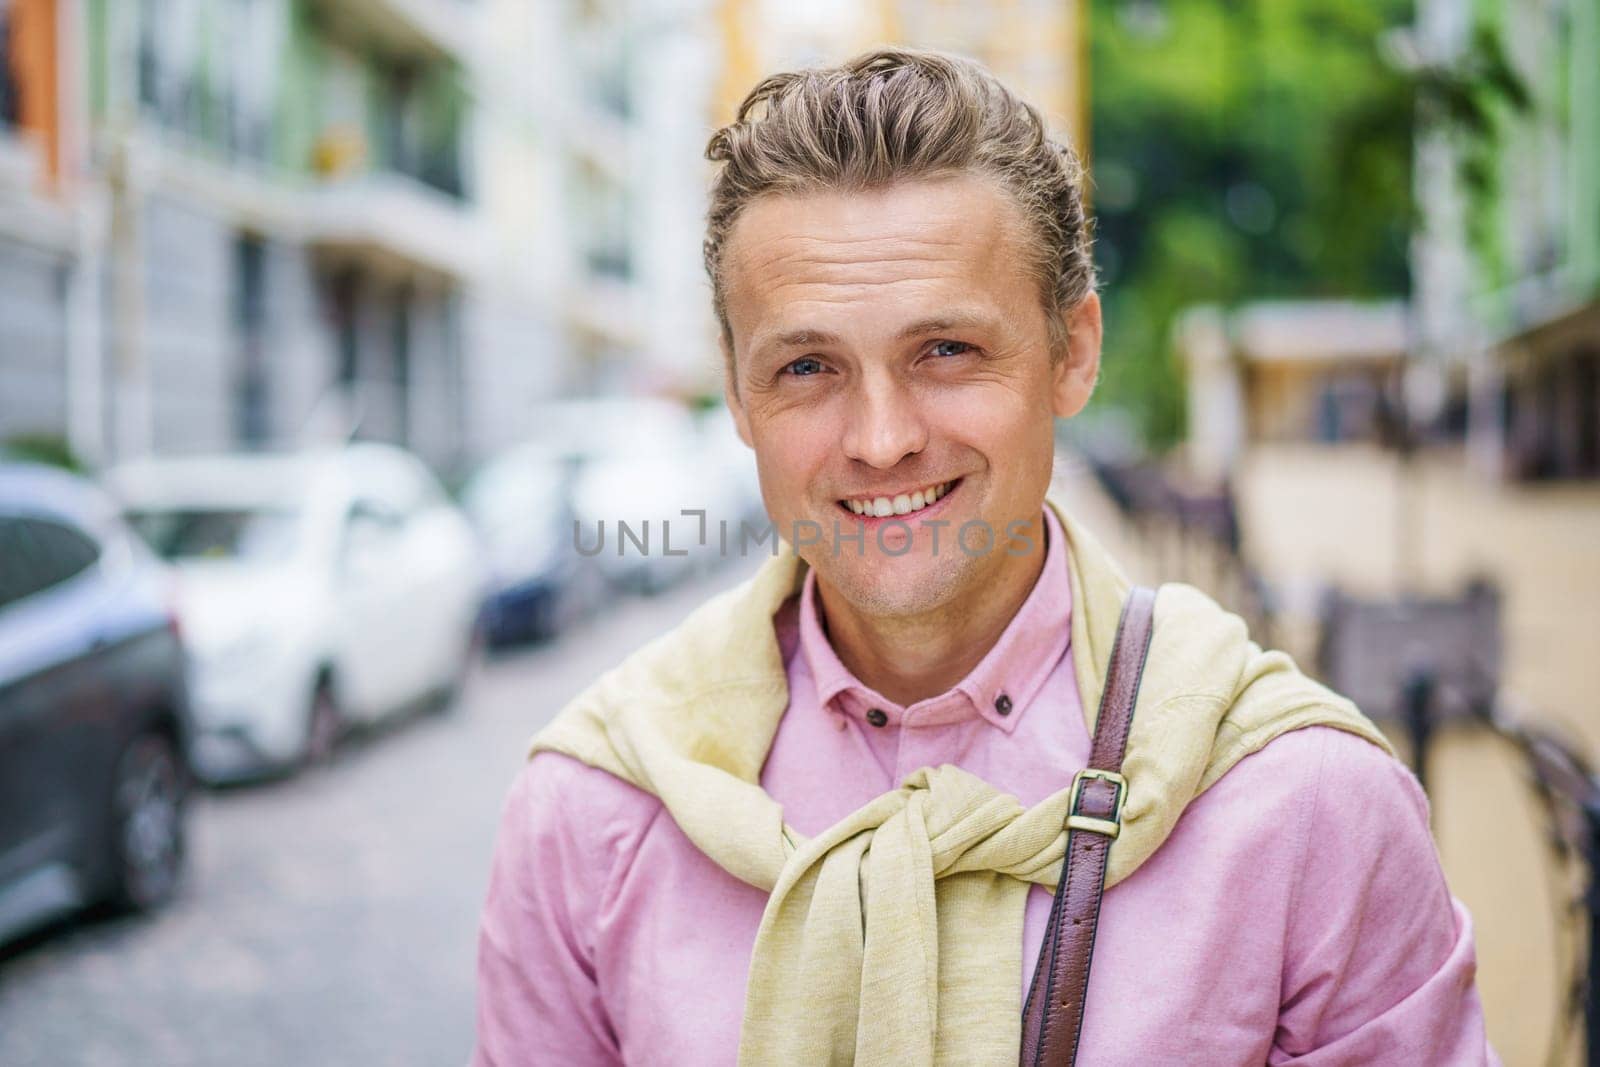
(902,505)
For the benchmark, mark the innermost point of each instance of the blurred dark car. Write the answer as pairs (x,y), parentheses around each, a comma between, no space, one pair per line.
(93,708)
(520,504)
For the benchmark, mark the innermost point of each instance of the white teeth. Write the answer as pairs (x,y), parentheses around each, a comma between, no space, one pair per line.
(904,504)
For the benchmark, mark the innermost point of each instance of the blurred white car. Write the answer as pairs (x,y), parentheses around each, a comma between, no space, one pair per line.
(315,590)
(642,460)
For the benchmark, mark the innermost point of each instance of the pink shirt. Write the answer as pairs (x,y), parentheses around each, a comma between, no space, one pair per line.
(1297,914)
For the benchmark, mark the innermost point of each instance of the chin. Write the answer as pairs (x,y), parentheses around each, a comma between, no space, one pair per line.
(913,584)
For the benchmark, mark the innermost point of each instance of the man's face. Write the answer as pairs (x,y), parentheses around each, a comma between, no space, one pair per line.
(887,343)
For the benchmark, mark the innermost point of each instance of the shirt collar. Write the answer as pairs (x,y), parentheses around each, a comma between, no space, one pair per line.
(1002,685)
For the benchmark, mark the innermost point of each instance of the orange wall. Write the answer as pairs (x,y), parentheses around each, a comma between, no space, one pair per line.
(35,58)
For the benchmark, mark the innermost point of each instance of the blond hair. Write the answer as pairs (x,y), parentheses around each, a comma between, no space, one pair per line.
(896,114)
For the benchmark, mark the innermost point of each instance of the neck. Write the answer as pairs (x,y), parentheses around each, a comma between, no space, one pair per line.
(909,658)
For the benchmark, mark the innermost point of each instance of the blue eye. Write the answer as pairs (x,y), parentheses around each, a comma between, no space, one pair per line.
(945,349)
(804,367)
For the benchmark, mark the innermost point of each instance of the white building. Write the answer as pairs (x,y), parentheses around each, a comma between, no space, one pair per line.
(1506,263)
(288,219)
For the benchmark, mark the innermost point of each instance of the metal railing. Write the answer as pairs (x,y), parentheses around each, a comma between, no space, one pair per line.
(1191,534)
(1431,664)
(1423,664)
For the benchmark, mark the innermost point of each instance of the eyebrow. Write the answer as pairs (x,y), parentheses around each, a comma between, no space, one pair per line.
(958,321)
(804,338)
(800,339)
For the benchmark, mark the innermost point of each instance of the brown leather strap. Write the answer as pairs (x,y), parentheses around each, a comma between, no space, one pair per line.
(1053,1015)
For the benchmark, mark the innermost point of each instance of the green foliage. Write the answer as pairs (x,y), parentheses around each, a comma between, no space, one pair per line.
(1474,98)
(1244,150)
(51,449)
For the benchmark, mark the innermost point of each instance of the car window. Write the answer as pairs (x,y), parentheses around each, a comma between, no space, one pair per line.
(37,554)
(375,511)
(369,524)
(257,535)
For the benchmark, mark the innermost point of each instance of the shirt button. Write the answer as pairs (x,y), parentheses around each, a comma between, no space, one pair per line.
(877,717)
(1002,704)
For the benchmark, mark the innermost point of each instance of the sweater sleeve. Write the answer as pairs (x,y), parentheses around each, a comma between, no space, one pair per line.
(538,998)
(1379,964)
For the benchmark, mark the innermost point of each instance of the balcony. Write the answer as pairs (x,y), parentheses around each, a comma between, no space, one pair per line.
(395,223)
(426,30)
(376,217)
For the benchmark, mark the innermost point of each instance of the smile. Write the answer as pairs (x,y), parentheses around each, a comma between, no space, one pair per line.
(900,504)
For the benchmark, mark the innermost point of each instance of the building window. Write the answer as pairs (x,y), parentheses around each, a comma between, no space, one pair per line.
(10,84)
(252,395)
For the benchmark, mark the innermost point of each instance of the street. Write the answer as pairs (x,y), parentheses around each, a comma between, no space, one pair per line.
(328,919)
(331,919)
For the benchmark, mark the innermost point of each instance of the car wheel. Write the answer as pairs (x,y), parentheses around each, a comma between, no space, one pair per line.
(324,723)
(148,801)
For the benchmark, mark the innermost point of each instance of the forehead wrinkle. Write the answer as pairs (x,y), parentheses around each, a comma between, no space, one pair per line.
(795,298)
(782,252)
(786,288)
(795,332)
(843,284)
(905,235)
(842,287)
(919,238)
(891,261)
(785,256)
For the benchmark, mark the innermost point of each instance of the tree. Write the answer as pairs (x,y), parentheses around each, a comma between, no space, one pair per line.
(1242,150)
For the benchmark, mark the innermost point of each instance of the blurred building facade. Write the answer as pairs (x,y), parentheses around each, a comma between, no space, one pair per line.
(1506,262)
(259,222)
(38,234)
(1500,344)
(1037,47)
(636,78)
(250,223)
(297,180)
(1278,372)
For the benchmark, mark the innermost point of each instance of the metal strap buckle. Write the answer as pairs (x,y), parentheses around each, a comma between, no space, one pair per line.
(1108,827)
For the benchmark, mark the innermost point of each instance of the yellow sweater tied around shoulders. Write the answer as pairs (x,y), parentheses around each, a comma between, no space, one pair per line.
(895,936)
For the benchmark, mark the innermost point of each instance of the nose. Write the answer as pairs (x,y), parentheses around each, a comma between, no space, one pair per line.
(885,423)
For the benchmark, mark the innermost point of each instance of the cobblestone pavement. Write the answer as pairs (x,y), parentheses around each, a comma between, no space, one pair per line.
(328,919)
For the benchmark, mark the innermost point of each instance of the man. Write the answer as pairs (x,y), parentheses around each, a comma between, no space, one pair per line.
(821,820)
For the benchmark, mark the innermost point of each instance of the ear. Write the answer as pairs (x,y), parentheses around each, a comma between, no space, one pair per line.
(730,394)
(1076,372)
